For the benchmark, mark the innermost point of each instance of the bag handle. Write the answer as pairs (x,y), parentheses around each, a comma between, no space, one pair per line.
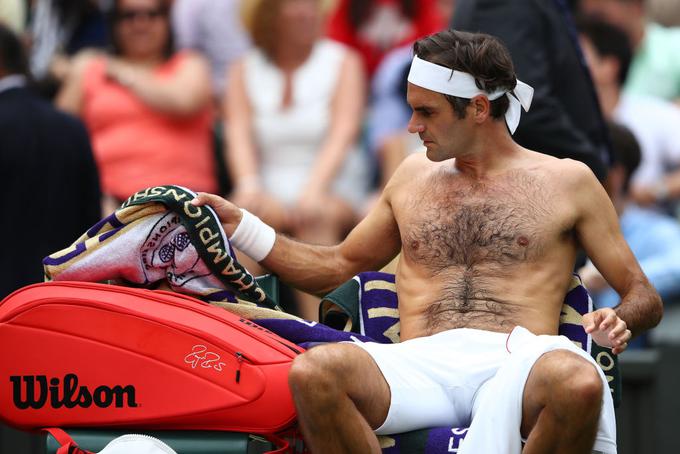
(67,445)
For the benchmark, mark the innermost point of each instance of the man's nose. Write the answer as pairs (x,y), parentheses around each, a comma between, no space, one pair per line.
(414,126)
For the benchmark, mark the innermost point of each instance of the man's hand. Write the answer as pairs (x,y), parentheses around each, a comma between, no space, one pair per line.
(607,329)
(230,215)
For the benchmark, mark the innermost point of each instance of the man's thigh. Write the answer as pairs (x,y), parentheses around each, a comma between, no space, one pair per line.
(354,372)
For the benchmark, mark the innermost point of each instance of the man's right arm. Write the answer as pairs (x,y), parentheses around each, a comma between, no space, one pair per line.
(598,232)
(320,269)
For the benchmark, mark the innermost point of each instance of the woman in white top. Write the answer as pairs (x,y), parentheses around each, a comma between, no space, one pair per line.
(294,107)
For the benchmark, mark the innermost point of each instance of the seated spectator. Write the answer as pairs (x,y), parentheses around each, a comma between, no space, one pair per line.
(655,69)
(374,27)
(654,238)
(148,109)
(294,108)
(654,121)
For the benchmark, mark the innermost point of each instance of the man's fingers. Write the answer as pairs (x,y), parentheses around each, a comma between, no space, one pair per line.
(608,321)
(203,198)
(619,328)
(591,321)
(622,338)
(618,349)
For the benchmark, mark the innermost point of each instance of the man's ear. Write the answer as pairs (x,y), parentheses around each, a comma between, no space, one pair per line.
(481,108)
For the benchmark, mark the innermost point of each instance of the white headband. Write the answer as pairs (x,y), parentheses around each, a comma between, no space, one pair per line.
(456,83)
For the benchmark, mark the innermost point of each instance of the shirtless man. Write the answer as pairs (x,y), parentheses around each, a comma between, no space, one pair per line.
(488,232)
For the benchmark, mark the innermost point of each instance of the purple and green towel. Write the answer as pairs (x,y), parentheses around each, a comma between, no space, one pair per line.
(155,237)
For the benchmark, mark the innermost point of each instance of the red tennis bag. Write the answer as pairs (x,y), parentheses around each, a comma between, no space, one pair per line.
(76,354)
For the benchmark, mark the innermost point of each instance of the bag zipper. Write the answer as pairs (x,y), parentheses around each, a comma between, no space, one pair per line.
(239,359)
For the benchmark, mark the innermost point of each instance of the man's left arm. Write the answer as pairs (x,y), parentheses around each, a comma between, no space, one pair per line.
(599,233)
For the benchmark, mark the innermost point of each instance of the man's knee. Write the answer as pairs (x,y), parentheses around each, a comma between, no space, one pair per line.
(586,385)
(318,369)
(573,381)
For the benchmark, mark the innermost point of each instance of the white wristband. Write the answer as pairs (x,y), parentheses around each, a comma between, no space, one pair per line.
(253,237)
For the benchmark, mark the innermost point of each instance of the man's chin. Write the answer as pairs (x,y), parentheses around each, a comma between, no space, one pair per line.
(432,154)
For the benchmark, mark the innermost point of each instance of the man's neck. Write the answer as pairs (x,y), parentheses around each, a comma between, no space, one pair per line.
(493,150)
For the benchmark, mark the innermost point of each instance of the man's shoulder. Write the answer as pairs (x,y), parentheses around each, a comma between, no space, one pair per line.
(562,170)
(414,162)
(414,165)
(552,162)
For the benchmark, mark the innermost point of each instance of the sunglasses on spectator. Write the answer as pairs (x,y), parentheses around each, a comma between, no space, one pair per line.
(133,14)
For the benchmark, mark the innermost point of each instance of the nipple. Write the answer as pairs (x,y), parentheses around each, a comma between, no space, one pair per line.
(523,241)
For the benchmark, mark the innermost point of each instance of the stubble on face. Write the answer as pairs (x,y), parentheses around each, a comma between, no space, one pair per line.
(434,120)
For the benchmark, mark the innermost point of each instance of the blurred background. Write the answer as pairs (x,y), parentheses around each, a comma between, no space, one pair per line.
(295,110)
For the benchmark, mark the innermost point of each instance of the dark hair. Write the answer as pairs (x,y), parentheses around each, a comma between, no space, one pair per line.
(609,41)
(112,19)
(483,56)
(12,55)
(360,10)
(625,150)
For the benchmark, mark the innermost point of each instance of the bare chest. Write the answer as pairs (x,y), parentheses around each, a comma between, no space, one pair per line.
(450,222)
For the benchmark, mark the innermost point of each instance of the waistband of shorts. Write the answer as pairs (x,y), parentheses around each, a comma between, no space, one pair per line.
(472,334)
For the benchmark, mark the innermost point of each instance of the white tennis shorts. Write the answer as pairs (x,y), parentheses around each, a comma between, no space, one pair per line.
(457,376)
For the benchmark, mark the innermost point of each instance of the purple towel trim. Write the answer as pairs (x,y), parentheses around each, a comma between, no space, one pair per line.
(444,440)
(302,333)
(109,234)
(80,248)
(578,299)
(110,219)
(375,327)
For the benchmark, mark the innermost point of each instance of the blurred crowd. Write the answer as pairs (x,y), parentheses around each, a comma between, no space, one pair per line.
(295,109)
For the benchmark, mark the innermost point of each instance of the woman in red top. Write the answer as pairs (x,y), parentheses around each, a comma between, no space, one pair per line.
(374,27)
(148,109)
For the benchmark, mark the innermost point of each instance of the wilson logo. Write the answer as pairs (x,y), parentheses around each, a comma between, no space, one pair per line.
(36,393)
